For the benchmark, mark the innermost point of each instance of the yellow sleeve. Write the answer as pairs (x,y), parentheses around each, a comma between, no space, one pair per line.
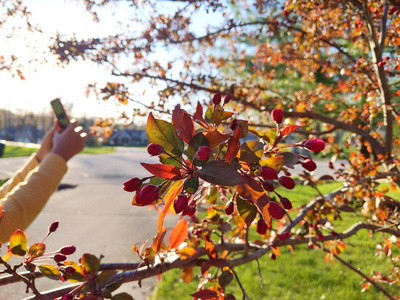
(19,176)
(26,199)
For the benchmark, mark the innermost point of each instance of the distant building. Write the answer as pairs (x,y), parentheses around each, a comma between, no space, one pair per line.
(128,137)
(22,133)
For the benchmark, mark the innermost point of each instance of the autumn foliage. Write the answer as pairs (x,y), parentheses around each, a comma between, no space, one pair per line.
(292,81)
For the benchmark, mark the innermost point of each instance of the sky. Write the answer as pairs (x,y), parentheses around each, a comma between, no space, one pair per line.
(49,81)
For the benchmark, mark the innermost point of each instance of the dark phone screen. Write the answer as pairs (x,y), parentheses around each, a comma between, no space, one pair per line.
(60,112)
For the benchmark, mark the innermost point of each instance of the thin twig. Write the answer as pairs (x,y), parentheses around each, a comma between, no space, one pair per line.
(245,296)
(380,288)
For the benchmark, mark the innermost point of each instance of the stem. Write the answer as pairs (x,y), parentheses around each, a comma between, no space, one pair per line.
(380,288)
(245,296)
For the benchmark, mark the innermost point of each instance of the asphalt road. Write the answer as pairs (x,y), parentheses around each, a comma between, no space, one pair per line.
(96,215)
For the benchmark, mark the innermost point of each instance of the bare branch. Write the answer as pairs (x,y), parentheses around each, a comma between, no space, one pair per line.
(375,284)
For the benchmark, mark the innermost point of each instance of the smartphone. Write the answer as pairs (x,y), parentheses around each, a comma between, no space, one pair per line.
(60,113)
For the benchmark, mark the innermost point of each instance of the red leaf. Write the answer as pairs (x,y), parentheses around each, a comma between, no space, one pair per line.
(215,137)
(205,294)
(163,171)
(233,145)
(199,113)
(178,234)
(183,123)
(285,131)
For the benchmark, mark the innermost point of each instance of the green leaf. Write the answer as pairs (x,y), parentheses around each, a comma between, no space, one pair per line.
(50,271)
(191,185)
(246,210)
(36,250)
(164,133)
(221,173)
(90,264)
(251,152)
(225,278)
(289,159)
(18,243)
(216,114)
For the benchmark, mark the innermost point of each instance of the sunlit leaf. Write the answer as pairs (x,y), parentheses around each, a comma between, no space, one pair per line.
(159,239)
(183,123)
(18,243)
(163,171)
(187,252)
(221,173)
(164,133)
(289,129)
(169,198)
(178,234)
(215,137)
(187,274)
(216,114)
(246,210)
(211,249)
(90,264)
(275,162)
(197,141)
(233,145)
(251,152)
(50,271)
(36,250)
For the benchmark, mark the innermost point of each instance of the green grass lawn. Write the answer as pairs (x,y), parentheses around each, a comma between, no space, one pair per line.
(302,274)
(14,151)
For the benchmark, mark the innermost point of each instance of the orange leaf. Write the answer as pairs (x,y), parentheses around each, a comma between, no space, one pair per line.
(187,274)
(159,239)
(215,137)
(183,123)
(398,93)
(18,243)
(178,234)
(233,145)
(276,250)
(211,249)
(285,131)
(163,171)
(187,252)
(252,190)
(172,193)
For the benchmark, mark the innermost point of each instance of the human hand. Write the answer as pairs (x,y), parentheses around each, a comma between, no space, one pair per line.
(47,144)
(70,141)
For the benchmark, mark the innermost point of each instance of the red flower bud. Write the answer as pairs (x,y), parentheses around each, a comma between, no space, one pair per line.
(268,186)
(283,236)
(229,207)
(67,250)
(155,149)
(277,115)
(275,210)
(227,99)
(132,184)
(180,203)
(217,98)
(190,210)
(309,165)
(315,145)
(53,227)
(70,270)
(272,256)
(320,236)
(67,297)
(287,182)
(268,173)
(233,124)
(261,226)
(59,257)
(381,63)
(147,195)
(203,153)
(286,203)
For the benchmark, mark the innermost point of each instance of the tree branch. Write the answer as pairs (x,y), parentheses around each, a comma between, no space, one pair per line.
(375,284)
